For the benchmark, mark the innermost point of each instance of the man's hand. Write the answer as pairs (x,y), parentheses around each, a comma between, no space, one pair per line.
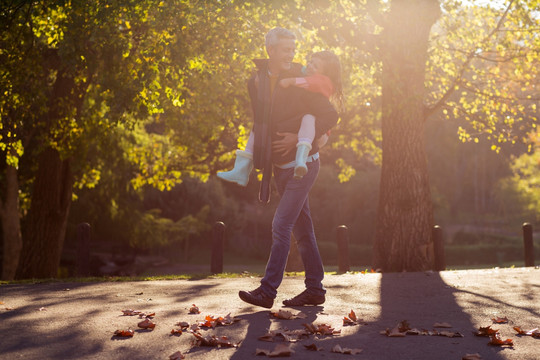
(285,145)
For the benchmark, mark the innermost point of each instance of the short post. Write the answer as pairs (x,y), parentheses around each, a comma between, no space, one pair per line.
(83,249)
(438,248)
(216,261)
(528,244)
(342,239)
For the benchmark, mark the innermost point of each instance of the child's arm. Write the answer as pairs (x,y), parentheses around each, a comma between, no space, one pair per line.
(314,83)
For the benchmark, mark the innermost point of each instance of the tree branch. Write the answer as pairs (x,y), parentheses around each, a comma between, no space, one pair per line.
(431,109)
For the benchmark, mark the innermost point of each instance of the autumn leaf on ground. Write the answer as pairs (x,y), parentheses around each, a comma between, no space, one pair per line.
(177,356)
(321,329)
(212,340)
(212,322)
(183,325)
(148,316)
(485,331)
(176,332)
(281,350)
(351,319)
(338,349)
(534,332)
(124,333)
(475,356)
(194,309)
(400,330)
(288,315)
(285,335)
(313,347)
(450,334)
(146,324)
(131,312)
(500,320)
(498,341)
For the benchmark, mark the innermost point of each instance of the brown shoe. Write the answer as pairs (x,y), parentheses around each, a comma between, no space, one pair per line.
(257,297)
(305,298)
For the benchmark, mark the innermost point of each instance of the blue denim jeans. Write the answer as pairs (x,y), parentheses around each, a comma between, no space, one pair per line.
(293,215)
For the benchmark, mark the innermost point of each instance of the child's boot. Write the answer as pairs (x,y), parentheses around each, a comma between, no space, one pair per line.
(302,151)
(242,168)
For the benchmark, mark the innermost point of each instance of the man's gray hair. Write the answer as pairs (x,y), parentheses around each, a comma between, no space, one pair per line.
(278,33)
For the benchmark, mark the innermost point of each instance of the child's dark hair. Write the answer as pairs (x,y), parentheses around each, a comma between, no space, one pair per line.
(332,69)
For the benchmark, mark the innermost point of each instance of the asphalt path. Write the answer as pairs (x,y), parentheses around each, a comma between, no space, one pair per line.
(61,320)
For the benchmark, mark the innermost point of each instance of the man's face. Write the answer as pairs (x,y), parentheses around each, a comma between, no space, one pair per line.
(281,55)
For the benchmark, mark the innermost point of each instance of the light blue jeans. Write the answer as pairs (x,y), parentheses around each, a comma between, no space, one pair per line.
(293,215)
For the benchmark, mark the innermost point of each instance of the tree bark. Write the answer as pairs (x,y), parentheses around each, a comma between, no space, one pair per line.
(403,239)
(11,224)
(43,236)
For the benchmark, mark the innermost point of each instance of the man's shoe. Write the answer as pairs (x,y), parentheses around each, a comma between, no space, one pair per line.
(257,297)
(305,298)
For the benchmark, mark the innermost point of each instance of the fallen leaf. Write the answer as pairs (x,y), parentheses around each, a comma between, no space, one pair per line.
(281,350)
(146,324)
(183,325)
(500,320)
(212,340)
(288,315)
(442,325)
(194,309)
(131,312)
(498,341)
(338,349)
(264,352)
(485,331)
(351,319)
(124,333)
(534,332)
(212,322)
(286,335)
(177,356)
(475,356)
(322,329)
(176,332)
(450,334)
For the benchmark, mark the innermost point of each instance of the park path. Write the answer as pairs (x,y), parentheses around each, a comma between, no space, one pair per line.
(62,320)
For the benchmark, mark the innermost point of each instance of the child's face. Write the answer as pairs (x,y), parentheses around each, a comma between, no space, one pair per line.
(315,66)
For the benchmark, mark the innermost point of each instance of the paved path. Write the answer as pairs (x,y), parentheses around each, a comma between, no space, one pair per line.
(77,320)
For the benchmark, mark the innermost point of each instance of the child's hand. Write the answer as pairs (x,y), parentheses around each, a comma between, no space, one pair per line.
(287,82)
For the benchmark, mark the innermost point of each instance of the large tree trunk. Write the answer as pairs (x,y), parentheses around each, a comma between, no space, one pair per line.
(11,224)
(43,235)
(405,214)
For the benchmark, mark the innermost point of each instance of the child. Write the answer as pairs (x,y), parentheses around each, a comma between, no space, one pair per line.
(324,77)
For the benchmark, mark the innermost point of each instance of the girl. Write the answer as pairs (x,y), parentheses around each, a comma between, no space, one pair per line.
(323,75)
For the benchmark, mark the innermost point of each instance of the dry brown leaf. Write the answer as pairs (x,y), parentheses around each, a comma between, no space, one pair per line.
(498,341)
(194,309)
(288,315)
(338,349)
(124,333)
(321,329)
(286,335)
(281,350)
(146,324)
(131,312)
(533,332)
(485,331)
(183,325)
(176,332)
(500,320)
(177,356)
(212,340)
(475,356)
(351,319)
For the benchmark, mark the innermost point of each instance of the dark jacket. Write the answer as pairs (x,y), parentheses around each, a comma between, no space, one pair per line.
(282,112)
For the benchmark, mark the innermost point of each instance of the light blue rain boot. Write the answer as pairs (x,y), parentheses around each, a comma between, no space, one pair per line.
(302,151)
(242,168)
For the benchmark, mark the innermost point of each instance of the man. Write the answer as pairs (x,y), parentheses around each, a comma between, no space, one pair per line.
(278,113)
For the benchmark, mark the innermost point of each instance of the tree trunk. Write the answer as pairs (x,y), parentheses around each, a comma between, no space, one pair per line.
(405,214)
(43,235)
(11,224)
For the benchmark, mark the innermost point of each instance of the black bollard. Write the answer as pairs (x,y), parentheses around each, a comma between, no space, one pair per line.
(528,244)
(438,248)
(216,262)
(342,239)
(83,249)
